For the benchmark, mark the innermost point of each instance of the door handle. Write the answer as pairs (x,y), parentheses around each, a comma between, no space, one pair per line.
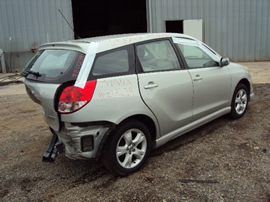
(197,78)
(150,85)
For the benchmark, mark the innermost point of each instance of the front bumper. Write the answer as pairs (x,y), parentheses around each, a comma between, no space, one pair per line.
(251,96)
(74,137)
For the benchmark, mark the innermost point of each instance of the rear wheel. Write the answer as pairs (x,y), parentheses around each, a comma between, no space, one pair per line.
(128,148)
(239,101)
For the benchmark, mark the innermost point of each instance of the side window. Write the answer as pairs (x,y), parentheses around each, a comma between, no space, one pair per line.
(196,57)
(157,56)
(111,63)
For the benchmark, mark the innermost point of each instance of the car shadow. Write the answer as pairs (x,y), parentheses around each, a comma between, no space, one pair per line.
(194,135)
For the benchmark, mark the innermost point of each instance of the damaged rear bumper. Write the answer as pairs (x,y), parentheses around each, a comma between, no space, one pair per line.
(83,141)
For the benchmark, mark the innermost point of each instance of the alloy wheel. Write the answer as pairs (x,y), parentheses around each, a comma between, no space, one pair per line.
(131,148)
(240,101)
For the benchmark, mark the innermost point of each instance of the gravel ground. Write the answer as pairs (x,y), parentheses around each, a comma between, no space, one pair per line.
(225,160)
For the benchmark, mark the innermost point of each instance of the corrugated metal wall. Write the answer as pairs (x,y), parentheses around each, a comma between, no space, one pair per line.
(26,24)
(239,29)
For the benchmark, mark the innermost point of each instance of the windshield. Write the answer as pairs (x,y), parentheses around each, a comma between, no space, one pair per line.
(55,65)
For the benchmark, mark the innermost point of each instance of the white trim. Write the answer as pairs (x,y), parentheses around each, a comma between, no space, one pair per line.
(87,65)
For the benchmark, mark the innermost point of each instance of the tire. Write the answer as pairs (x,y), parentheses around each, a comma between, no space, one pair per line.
(128,148)
(239,101)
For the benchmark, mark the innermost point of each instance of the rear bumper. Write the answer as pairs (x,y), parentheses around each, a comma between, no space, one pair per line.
(83,142)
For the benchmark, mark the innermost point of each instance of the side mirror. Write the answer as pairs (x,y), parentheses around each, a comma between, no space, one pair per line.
(224,61)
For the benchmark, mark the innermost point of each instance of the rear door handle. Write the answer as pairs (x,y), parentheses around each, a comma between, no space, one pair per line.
(197,78)
(150,85)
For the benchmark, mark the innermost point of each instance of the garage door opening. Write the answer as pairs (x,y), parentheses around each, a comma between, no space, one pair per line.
(192,27)
(105,17)
(174,26)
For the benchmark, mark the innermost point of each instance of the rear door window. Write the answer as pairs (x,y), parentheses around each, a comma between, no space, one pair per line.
(157,56)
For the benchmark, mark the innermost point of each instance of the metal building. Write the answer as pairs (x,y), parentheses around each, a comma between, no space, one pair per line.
(239,29)
(26,24)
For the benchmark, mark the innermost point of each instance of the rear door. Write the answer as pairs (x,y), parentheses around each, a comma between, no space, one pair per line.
(165,87)
(44,94)
(43,76)
(211,82)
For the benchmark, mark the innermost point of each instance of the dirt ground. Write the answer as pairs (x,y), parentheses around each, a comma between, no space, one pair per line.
(225,160)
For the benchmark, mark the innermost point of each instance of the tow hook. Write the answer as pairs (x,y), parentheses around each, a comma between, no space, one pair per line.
(55,147)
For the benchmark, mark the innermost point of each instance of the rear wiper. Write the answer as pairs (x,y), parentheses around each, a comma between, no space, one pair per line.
(37,74)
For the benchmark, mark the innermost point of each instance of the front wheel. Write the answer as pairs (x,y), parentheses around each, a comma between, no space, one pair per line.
(239,101)
(128,148)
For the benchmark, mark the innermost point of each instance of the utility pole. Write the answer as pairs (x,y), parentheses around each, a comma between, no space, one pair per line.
(3,64)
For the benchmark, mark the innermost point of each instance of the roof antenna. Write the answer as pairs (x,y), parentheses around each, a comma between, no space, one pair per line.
(69,24)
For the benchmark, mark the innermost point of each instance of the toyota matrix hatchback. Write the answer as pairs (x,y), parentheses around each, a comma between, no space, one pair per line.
(118,97)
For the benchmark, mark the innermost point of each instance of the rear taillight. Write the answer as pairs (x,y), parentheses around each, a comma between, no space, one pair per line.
(73,98)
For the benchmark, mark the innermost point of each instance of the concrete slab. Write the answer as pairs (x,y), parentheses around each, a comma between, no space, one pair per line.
(12,89)
(260,71)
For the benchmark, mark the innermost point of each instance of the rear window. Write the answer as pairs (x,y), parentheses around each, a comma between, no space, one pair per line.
(55,66)
(58,65)
(53,63)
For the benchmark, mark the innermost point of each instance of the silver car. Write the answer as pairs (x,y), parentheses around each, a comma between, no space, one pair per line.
(118,97)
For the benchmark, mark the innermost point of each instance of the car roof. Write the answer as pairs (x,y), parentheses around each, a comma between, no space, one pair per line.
(109,42)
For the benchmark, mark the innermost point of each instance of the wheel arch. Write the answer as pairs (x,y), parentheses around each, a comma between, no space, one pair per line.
(247,84)
(111,159)
(148,122)
(235,113)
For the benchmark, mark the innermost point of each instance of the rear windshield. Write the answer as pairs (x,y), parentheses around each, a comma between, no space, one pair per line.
(55,66)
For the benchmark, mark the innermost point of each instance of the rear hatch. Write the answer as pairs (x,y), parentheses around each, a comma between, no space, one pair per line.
(46,74)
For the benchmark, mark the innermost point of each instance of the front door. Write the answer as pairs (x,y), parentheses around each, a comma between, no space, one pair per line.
(211,90)
(211,82)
